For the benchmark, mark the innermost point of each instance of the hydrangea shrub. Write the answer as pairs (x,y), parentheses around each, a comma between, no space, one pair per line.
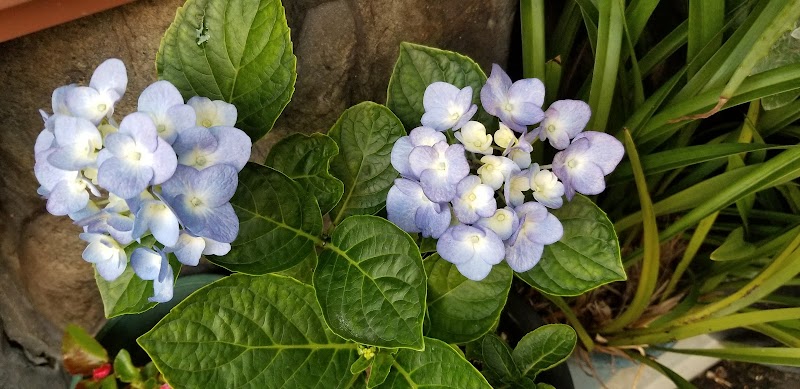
(332,236)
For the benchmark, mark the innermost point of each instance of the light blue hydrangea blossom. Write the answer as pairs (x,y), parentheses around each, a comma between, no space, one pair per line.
(482,196)
(124,182)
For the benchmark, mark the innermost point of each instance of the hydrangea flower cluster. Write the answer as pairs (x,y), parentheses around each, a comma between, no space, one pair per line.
(480,194)
(168,170)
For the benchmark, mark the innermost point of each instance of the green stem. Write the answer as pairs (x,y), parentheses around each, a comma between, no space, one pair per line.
(583,335)
(533,42)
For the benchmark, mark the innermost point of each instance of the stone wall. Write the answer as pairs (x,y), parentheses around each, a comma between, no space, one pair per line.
(345,49)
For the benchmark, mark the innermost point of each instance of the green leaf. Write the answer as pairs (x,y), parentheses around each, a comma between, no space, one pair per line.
(419,66)
(370,284)
(128,293)
(380,369)
(124,368)
(304,270)
(544,348)
(247,59)
(680,382)
(438,366)
(685,156)
(81,352)
(461,310)
(306,159)
(734,247)
(249,332)
(365,134)
(604,76)
(279,223)
(496,356)
(360,365)
(586,257)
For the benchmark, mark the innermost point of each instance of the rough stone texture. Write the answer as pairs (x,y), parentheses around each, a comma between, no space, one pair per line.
(346,50)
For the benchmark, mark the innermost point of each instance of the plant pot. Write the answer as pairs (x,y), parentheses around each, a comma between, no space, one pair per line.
(620,372)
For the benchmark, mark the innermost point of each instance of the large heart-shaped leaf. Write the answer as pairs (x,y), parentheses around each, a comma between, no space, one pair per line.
(438,366)
(365,134)
(239,51)
(461,310)
(128,293)
(370,284)
(279,223)
(544,348)
(586,257)
(306,159)
(249,332)
(419,66)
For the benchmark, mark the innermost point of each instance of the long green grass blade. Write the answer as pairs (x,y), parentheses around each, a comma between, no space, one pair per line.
(652,253)
(664,48)
(674,116)
(766,355)
(604,76)
(706,19)
(533,39)
(563,36)
(782,168)
(707,326)
(777,333)
(637,14)
(698,237)
(680,382)
(686,156)
(773,121)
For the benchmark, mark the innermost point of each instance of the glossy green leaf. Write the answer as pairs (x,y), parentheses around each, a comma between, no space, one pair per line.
(496,357)
(233,50)
(365,134)
(380,369)
(304,270)
(586,257)
(279,223)
(370,283)
(249,332)
(438,366)
(544,348)
(461,310)
(128,293)
(80,352)
(419,66)
(124,368)
(306,159)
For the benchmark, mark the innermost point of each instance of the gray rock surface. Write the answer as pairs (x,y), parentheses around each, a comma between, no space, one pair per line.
(346,50)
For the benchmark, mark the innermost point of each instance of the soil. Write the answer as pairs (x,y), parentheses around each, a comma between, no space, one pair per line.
(738,375)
